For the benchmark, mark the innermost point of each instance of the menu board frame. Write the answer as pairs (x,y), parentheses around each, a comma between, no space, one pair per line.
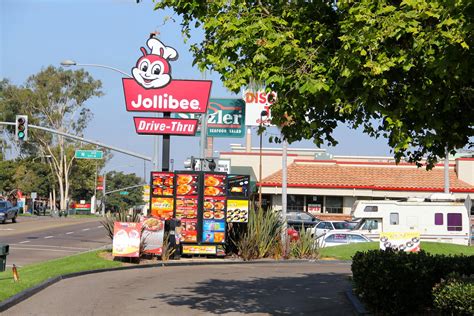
(190,193)
(214,186)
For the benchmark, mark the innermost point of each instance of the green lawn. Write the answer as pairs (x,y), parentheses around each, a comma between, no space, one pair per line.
(346,252)
(34,274)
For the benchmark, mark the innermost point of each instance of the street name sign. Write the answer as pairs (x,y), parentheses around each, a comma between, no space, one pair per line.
(89,154)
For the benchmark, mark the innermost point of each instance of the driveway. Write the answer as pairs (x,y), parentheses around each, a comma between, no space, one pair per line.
(309,288)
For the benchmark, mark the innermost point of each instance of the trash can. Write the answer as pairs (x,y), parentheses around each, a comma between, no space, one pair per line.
(3,256)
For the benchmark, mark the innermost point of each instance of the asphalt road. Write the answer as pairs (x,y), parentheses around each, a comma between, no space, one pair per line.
(36,239)
(237,289)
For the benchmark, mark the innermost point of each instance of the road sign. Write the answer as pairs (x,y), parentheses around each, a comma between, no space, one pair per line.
(123,192)
(89,154)
(33,195)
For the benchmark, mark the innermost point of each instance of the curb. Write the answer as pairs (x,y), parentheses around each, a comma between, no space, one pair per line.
(17,298)
(359,308)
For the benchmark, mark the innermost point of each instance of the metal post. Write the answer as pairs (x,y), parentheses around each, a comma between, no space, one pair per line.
(284,182)
(262,114)
(95,188)
(165,160)
(204,119)
(446,170)
(260,172)
(103,194)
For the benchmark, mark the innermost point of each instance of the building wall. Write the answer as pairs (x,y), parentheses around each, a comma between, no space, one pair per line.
(465,169)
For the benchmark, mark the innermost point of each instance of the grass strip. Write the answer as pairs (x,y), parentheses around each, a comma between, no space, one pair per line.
(345,252)
(34,274)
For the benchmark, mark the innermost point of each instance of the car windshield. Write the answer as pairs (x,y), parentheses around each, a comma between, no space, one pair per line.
(341,225)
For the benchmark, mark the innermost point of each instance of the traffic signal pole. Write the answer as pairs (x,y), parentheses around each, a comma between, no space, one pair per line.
(123,151)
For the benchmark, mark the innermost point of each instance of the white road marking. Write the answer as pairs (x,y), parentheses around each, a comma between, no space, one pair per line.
(44,249)
(99,226)
(48,237)
(85,229)
(24,242)
(69,233)
(19,246)
(11,266)
(7,228)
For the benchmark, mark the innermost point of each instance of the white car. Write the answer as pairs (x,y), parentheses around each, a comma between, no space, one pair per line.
(326,226)
(337,238)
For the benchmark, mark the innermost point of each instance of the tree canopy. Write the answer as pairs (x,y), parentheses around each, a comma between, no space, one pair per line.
(54,98)
(118,180)
(399,69)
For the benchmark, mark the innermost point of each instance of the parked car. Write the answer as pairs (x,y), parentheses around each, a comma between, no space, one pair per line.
(327,226)
(297,220)
(337,238)
(8,211)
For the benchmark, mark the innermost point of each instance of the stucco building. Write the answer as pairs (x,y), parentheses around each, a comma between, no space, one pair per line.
(328,186)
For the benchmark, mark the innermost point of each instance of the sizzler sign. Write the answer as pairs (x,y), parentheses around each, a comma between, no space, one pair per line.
(152,89)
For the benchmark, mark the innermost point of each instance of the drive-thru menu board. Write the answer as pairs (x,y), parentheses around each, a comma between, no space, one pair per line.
(213,218)
(237,194)
(187,202)
(162,191)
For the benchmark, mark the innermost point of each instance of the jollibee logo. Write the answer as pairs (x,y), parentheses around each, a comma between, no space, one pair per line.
(153,70)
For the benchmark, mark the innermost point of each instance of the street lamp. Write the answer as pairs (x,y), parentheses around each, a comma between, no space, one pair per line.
(262,114)
(69,63)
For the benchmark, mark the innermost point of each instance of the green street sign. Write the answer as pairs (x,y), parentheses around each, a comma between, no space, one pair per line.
(89,154)
(123,192)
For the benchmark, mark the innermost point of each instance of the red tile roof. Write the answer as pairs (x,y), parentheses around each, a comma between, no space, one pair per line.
(364,176)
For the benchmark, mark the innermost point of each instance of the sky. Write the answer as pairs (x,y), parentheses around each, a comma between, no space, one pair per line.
(37,33)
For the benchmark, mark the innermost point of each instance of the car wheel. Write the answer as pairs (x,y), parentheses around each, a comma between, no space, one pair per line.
(14,219)
(3,221)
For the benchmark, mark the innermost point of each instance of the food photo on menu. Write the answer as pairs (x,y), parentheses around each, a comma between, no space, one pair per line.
(162,184)
(189,230)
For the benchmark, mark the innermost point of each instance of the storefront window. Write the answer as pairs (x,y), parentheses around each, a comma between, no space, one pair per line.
(295,203)
(333,204)
(314,204)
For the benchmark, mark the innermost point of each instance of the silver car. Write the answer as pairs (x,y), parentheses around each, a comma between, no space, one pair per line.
(337,238)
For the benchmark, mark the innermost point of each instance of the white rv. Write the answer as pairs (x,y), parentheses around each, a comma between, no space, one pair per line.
(439,218)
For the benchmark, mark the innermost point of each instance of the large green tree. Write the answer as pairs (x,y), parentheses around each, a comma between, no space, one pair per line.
(399,69)
(117,181)
(56,99)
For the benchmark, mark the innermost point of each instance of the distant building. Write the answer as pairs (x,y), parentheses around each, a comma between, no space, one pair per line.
(328,185)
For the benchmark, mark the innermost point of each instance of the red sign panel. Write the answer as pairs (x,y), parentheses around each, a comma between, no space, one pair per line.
(165,126)
(179,96)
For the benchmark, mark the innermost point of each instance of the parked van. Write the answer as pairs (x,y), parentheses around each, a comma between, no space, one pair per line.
(439,218)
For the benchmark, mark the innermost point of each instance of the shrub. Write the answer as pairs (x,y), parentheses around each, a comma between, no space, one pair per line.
(454,296)
(392,282)
(262,236)
(305,247)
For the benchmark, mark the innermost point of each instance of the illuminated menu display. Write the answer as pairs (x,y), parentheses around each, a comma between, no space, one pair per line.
(187,200)
(161,192)
(214,204)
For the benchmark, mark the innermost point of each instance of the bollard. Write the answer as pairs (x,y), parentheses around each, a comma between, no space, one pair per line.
(16,276)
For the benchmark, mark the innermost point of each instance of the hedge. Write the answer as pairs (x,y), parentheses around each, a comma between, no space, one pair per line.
(391,282)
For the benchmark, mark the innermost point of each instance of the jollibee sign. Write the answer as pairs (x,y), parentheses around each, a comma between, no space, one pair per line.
(152,89)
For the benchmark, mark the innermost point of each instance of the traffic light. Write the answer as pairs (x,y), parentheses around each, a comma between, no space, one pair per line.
(21,127)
